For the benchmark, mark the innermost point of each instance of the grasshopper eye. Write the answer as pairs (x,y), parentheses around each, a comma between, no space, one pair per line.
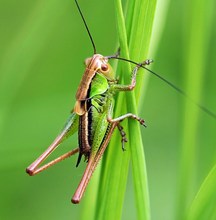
(104,68)
(107,71)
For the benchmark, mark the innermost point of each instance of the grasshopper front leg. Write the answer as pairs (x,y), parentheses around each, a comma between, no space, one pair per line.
(69,129)
(129,87)
(118,87)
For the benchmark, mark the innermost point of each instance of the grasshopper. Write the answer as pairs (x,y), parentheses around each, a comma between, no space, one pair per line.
(92,115)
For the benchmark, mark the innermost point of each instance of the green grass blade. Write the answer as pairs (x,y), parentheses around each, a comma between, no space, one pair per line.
(115,169)
(197,23)
(138,51)
(203,206)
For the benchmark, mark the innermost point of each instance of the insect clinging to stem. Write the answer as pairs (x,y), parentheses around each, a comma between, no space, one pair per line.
(92,115)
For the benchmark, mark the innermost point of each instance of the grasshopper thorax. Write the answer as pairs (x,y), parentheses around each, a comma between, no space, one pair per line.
(97,64)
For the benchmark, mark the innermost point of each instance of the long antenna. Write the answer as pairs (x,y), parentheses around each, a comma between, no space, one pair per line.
(203,108)
(86,26)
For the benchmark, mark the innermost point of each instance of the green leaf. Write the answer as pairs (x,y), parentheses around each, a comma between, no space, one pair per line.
(203,206)
(115,167)
(196,38)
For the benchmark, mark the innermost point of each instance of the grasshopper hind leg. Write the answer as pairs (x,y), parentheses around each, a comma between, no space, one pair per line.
(123,135)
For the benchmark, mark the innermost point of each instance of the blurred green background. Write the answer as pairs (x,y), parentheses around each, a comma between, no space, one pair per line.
(42,48)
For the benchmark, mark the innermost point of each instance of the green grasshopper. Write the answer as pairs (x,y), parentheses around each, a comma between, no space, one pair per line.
(92,115)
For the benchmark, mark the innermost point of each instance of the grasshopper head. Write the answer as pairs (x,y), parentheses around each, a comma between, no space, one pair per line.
(100,64)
